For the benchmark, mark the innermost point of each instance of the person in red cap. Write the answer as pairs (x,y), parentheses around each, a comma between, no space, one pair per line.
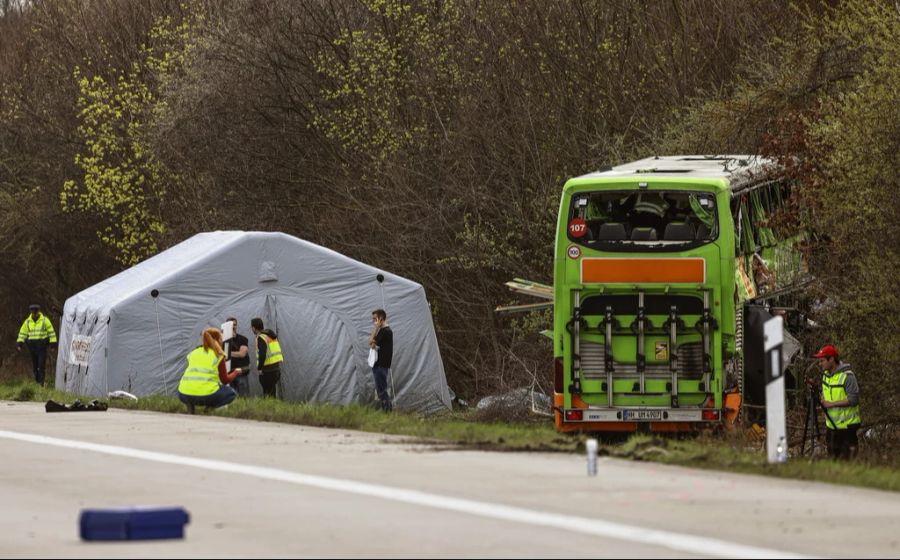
(840,398)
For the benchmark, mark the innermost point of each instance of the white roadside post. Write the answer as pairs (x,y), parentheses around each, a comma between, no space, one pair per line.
(776,440)
(590,447)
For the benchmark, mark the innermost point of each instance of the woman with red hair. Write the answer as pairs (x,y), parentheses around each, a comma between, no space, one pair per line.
(205,380)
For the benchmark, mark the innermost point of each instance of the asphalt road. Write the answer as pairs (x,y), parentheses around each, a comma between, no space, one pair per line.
(267,490)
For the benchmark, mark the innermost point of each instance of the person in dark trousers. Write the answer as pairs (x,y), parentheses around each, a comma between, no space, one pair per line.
(205,379)
(840,398)
(382,340)
(268,357)
(239,355)
(37,334)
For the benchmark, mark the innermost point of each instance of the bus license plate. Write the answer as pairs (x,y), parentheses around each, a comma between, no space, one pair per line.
(642,415)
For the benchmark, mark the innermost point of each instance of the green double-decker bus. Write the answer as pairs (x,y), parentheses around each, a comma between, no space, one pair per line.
(655,263)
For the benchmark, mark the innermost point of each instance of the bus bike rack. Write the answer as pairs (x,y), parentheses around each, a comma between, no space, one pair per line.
(574,327)
(608,365)
(672,325)
(704,325)
(641,324)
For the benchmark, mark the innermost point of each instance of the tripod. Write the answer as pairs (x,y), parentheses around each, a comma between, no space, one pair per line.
(812,418)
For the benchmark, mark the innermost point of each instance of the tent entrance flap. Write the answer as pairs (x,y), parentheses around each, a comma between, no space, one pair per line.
(270,320)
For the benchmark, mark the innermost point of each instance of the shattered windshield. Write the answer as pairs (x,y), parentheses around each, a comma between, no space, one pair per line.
(643,218)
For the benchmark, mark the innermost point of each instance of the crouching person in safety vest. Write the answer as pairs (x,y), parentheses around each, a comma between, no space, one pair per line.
(205,381)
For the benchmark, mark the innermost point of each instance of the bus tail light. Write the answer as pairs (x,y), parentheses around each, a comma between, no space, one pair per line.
(710,414)
(574,415)
(558,375)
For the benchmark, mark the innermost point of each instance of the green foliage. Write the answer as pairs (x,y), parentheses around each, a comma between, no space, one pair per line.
(123,182)
(489,246)
(25,393)
(736,453)
(856,146)
(526,324)
(825,102)
(386,79)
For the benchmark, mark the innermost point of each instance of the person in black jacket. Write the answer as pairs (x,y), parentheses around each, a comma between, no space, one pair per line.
(382,340)
(240,359)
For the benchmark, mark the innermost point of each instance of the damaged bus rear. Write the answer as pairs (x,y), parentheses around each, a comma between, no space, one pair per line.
(645,302)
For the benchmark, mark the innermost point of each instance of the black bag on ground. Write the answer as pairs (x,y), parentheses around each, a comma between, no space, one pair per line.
(53,406)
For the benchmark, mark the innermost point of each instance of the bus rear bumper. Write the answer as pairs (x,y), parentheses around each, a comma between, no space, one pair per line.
(623,419)
(640,415)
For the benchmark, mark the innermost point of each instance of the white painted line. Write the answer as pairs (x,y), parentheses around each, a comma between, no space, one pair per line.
(674,541)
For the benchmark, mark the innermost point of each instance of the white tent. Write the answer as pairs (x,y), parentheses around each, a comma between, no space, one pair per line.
(133,331)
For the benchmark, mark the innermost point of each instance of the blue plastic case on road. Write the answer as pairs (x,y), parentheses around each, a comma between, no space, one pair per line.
(133,523)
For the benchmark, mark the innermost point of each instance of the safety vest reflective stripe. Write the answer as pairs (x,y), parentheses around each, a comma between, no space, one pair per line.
(36,330)
(195,378)
(273,350)
(833,390)
(201,375)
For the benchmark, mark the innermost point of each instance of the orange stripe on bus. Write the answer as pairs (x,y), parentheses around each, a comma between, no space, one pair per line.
(669,271)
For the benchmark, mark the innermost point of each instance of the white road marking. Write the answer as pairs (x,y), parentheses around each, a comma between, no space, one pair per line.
(674,541)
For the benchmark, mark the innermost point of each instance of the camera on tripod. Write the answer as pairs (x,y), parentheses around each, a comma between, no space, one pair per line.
(813,390)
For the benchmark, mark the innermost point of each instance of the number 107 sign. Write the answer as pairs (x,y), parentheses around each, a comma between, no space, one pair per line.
(577,227)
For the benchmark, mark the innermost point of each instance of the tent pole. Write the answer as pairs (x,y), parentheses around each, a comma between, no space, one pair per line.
(393,393)
(159,338)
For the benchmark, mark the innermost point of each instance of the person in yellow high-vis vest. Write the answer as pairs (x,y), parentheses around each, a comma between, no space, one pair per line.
(205,379)
(38,335)
(268,357)
(840,398)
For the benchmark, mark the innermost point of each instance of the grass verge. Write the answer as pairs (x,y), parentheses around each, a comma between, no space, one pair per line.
(451,428)
(734,452)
